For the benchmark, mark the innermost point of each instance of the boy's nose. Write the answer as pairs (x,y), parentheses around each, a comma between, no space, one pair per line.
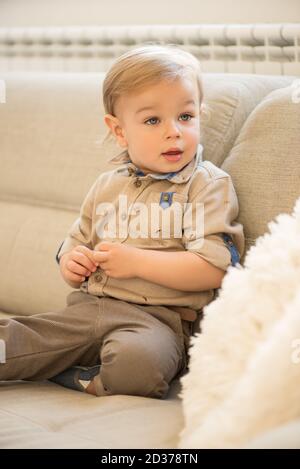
(172,130)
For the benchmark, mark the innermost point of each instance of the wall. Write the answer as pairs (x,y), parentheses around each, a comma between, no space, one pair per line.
(118,12)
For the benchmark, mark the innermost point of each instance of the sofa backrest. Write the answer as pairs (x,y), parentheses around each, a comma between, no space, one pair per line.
(51,129)
(264,162)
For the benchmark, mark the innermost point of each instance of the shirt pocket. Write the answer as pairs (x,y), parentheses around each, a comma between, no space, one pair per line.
(166,210)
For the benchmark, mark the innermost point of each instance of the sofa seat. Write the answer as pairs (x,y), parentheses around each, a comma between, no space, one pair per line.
(41,415)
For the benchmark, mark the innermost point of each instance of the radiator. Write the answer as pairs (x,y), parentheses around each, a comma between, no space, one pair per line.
(235,48)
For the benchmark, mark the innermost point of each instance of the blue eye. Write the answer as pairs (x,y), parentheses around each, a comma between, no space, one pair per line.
(186,117)
(150,121)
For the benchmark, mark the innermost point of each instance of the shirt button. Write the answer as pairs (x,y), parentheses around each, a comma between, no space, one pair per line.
(98,277)
(138,183)
(123,216)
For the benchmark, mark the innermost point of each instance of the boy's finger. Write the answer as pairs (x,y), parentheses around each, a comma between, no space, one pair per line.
(78,269)
(87,252)
(103,246)
(76,278)
(85,261)
(100,256)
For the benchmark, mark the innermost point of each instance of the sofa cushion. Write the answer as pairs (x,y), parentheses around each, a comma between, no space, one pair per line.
(50,126)
(45,415)
(230,99)
(29,237)
(264,162)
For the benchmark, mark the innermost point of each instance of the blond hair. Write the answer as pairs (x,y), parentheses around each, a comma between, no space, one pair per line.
(145,66)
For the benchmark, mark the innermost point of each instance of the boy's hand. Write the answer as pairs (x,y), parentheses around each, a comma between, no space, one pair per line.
(116,260)
(77,264)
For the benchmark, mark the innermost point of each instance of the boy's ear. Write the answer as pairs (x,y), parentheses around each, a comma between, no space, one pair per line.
(116,129)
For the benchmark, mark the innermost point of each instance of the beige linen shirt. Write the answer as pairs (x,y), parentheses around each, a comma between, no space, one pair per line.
(199,188)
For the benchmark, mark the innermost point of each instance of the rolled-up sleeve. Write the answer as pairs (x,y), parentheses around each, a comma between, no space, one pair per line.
(80,232)
(211,230)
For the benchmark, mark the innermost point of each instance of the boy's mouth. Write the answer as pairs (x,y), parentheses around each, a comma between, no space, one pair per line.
(173,155)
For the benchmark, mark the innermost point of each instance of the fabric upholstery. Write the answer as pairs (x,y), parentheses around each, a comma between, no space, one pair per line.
(45,415)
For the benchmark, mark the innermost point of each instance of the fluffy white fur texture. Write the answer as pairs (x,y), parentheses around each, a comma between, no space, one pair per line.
(244,375)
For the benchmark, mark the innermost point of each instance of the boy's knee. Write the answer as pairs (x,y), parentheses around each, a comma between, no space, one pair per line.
(131,368)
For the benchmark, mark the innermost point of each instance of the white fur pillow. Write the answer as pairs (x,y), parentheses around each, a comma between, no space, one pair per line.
(244,375)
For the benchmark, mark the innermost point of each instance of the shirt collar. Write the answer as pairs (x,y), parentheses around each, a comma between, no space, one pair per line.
(178,177)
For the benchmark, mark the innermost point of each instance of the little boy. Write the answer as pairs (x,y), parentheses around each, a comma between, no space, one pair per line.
(153,241)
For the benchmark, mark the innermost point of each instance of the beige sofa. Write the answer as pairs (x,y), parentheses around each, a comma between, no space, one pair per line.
(50,151)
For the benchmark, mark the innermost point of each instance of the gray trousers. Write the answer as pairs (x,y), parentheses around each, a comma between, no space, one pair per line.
(141,348)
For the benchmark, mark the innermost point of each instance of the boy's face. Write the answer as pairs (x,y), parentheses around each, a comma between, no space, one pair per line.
(162,119)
